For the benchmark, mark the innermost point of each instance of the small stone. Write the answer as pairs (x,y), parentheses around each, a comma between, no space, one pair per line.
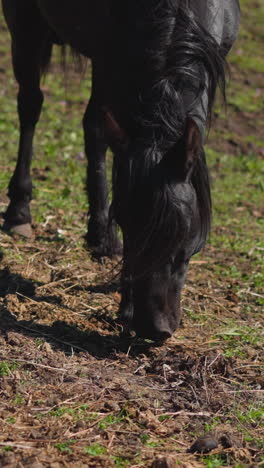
(80,425)
(225,441)
(203,445)
(163,462)
(13,339)
(47,348)
(35,434)
(112,406)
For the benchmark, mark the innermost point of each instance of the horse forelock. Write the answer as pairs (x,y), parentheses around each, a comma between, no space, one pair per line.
(158,211)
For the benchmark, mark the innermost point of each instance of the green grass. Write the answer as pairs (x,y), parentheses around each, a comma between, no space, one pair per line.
(239,340)
(6,368)
(11,420)
(110,420)
(121,462)
(254,415)
(250,101)
(65,446)
(80,412)
(18,400)
(7,448)
(214,461)
(95,450)
(248,51)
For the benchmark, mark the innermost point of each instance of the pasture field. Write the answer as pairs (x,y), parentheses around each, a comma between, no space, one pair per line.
(73,391)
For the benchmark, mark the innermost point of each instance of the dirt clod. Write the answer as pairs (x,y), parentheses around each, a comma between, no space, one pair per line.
(163,462)
(203,444)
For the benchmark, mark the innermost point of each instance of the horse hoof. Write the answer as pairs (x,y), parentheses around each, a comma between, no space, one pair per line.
(23,230)
(105,248)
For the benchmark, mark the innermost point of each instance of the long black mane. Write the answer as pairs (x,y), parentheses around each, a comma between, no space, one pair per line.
(173,66)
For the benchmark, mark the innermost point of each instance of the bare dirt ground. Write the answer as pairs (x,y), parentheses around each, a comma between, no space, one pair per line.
(74,392)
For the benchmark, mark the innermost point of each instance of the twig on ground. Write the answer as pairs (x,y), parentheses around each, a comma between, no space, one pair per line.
(188,413)
(13,444)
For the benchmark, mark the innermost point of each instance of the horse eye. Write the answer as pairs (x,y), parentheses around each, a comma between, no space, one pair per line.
(176,267)
(173,266)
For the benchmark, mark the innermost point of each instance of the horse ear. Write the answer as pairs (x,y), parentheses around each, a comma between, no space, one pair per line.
(192,141)
(118,138)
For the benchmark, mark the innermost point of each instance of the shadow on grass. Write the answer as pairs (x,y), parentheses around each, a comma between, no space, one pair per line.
(60,334)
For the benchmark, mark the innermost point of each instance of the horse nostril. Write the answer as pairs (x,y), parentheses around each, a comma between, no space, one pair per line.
(158,335)
(162,335)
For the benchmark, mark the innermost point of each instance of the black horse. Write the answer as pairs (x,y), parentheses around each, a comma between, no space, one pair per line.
(156,67)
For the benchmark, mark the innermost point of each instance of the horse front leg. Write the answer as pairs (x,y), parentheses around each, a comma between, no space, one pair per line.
(17,216)
(30,52)
(102,232)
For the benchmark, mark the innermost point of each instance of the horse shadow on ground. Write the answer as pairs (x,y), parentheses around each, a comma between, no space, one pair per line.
(61,335)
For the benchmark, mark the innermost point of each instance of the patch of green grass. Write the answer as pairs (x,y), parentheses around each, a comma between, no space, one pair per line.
(121,462)
(40,402)
(95,450)
(163,417)
(237,191)
(246,101)
(154,443)
(254,416)
(258,442)
(144,438)
(65,446)
(247,53)
(11,420)
(235,339)
(39,342)
(18,400)
(213,461)
(208,427)
(78,412)
(195,316)
(250,63)
(243,334)
(59,412)
(109,420)
(6,368)
(7,448)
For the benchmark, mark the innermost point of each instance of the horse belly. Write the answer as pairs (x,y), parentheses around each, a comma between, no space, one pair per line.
(80,23)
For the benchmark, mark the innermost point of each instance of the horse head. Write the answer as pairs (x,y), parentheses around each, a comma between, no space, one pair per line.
(162,204)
